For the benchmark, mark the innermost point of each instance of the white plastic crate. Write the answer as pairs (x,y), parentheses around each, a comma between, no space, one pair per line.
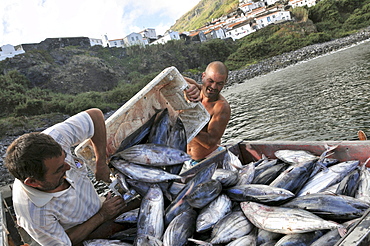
(166,90)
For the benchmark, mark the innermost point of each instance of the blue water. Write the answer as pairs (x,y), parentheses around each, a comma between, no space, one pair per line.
(325,98)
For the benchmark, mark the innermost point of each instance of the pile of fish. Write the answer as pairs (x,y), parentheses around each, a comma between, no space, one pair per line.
(296,199)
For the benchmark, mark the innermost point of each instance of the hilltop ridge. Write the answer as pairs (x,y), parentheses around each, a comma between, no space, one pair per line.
(203,13)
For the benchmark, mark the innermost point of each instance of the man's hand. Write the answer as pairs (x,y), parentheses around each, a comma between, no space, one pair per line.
(193,93)
(112,207)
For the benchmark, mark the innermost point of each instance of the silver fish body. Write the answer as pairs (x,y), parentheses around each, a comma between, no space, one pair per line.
(180,229)
(264,236)
(231,161)
(331,237)
(332,175)
(150,219)
(284,220)
(363,189)
(128,217)
(258,193)
(213,212)
(349,184)
(299,239)
(104,242)
(146,240)
(204,193)
(264,166)
(153,155)
(270,174)
(246,174)
(144,173)
(177,137)
(295,157)
(329,206)
(249,240)
(226,177)
(179,203)
(294,177)
(160,129)
(230,227)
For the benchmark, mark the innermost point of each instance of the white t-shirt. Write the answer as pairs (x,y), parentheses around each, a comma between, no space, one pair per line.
(46,216)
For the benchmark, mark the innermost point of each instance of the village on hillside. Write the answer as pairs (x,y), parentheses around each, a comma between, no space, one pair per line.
(248,18)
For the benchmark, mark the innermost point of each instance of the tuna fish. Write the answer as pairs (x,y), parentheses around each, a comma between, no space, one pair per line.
(128,217)
(363,191)
(294,177)
(230,227)
(258,193)
(160,129)
(179,204)
(246,174)
(285,220)
(330,206)
(226,177)
(146,240)
(104,242)
(249,240)
(213,212)
(153,155)
(204,193)
(150,220)
(295,157)
(144,173)
(332,175)
(180,229)
(299,239)
(268,175)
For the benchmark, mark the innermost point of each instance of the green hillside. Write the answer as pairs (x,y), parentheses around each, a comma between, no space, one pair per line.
(203,13)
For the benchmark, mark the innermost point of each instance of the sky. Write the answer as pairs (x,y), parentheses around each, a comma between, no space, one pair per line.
(32,21)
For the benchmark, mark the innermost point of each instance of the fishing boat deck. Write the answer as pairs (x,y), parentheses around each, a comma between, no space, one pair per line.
(247,152)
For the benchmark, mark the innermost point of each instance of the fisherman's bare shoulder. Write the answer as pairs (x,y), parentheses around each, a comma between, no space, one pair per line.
(223,104)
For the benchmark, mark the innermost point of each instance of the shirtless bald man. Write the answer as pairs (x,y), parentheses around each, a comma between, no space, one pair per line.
(208,139)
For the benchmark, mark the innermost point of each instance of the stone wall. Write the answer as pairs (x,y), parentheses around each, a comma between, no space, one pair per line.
(56,43)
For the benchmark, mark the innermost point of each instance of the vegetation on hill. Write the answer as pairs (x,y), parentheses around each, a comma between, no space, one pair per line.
(40,85)
(203,13)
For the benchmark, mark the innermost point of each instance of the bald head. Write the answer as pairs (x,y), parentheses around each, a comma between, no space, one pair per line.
(218,67)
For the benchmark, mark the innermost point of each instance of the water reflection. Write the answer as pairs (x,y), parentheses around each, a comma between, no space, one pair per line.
(322,99)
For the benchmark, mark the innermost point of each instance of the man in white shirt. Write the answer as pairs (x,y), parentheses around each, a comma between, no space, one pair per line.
(54,199)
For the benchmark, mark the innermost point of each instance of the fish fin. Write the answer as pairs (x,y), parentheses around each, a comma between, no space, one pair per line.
(365,163)
(342,231)
(327,152)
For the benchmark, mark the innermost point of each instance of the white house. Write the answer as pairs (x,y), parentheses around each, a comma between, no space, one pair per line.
(8,51)
(133,39)
(169,35)
(119,43)
(149,33)
(96,41)
(271,18)
(270,2)
(239,30)
(301,3)
(112,42)
(216,32)
(248,7)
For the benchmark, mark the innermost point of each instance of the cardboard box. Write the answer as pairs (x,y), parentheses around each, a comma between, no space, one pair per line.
(166,90)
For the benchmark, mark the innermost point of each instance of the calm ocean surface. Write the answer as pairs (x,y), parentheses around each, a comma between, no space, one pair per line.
(326,98)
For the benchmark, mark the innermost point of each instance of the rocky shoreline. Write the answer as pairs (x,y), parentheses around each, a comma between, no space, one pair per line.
(239,76)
